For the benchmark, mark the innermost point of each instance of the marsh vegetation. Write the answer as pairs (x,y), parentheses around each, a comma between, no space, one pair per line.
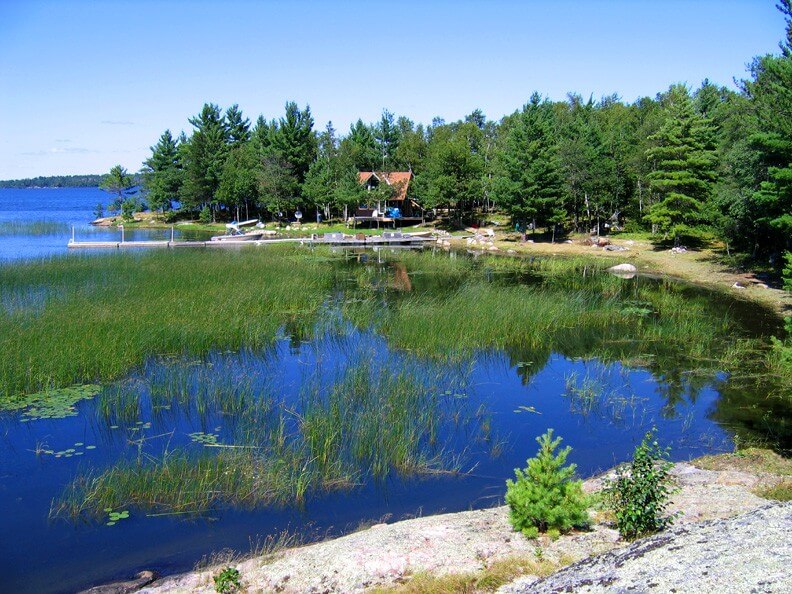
(304,385)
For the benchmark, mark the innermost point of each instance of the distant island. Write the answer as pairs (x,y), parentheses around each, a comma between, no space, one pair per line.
(55,181)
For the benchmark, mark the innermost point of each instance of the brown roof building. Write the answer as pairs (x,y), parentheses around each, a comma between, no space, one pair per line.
(399,180)
(398,205)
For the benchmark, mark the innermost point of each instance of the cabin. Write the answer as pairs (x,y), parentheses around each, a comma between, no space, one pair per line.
(390,200)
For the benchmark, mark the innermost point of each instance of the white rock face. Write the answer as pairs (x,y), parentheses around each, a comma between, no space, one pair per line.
(749,553)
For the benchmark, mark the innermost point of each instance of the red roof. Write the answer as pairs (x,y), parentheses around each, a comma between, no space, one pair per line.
(399,179)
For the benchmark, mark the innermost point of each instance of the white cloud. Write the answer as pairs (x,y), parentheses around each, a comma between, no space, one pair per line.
(59,150)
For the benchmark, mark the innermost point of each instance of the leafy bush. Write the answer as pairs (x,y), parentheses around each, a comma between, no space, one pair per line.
(205,217)
(227,581)
(639,494)
(544,497)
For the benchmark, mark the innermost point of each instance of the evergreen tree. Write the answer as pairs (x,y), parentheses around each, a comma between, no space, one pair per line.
(238,127)
(359,149)
(205,155)
(119,184)
(453,171)
(239,182)
(544,496)
(276,187)
(261,136)
(527,183)
(387,135)
(771,93)
(294,142)
(412,149)
(322,178)
(684,162)
(349,193)
(580,154)
(162,173)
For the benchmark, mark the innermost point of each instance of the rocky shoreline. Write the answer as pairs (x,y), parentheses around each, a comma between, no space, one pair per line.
(721,524)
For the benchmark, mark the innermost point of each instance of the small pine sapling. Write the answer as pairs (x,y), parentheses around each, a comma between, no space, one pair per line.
(545,497)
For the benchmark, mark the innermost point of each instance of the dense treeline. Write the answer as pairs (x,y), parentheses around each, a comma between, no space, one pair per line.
(54,181)
(685,164)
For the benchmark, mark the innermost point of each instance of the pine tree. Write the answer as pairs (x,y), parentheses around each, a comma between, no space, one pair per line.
(120,184)
(771,95)
(359,149)
(544,495)
(323,174)
(205,155)
(239,184)
(684,167)
(237,126)
(387,136)
(294,141)
(162,173)
(527,183)
(453,171)
(580,153)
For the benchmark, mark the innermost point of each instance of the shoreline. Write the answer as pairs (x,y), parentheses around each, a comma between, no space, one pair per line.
(700,267)
(385,557)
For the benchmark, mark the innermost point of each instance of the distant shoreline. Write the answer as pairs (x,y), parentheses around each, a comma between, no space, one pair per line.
(88,180)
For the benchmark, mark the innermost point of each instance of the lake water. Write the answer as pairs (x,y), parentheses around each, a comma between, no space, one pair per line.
(38,222)
(478,413)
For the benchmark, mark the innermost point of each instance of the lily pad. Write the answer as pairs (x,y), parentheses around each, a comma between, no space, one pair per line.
(50,404)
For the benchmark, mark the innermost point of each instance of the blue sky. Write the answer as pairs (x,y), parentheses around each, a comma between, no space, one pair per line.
(86,85)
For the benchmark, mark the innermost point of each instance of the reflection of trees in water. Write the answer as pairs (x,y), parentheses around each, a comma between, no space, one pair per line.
(754,413)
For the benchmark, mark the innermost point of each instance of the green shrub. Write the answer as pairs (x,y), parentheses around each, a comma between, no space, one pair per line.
(544,497)
(639,494)
(227,581)
(205,216)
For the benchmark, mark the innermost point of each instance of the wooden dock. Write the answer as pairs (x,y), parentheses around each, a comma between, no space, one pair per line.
(334,239)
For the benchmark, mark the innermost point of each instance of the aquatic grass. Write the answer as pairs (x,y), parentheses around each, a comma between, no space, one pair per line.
(356,424)
(11,228)
(156,303)
(181,483)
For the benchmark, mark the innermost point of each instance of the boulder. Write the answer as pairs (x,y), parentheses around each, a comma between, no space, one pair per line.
(144,578)
(623,269)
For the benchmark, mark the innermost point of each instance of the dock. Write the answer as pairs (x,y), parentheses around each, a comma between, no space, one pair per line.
(333,239)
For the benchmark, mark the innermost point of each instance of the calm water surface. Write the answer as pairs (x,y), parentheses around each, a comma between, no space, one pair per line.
(489,407)
(61,209)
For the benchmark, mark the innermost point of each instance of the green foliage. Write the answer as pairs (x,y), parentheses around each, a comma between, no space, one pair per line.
(55,181)
(118,183)
(128,209)
(544,497)
(204,157)
(639,494)
(163,174)
(452,177)
(239,184)
(99,211)
(205,216)
(684,166)
(527,181)
(228,581)
(50,404)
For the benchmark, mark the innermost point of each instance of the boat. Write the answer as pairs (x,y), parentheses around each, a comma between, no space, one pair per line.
(235,233)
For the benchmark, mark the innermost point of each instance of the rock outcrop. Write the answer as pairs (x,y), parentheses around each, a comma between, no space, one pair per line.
(750,553)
